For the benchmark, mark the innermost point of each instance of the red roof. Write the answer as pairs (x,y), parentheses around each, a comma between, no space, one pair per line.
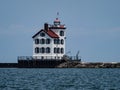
(51,34)
(48,32)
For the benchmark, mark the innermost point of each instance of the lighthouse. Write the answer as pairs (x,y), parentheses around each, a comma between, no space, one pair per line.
(49,42)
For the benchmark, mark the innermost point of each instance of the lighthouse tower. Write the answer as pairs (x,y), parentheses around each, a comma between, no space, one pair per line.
(49,42)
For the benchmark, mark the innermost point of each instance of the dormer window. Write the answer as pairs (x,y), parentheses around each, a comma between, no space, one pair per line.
(42,34)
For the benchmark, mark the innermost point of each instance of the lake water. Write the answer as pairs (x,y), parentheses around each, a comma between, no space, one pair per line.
(59,79)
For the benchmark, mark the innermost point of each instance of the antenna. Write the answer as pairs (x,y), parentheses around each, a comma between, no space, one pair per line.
(57,14)
(77,55)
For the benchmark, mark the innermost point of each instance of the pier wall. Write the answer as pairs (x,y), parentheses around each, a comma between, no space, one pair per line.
(39,63)
(8,65)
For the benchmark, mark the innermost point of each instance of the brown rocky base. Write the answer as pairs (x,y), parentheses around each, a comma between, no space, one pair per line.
(77,64)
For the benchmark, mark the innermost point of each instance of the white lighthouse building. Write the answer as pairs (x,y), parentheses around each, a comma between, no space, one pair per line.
(49,43)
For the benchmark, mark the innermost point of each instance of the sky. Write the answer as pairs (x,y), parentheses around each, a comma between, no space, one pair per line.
(93,27)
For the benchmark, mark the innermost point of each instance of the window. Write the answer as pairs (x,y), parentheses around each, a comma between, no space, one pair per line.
(47,50)
(36,50)
(42,34)
(48,41)
(42,50)
(55,50)
(62,41)
(58,50)
(62,50)
(56,23)
(56,41)
(42,57)
(61,33)
(36,41)
(42,41)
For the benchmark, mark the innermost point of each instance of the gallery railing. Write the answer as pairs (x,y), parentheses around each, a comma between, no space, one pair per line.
(48,58)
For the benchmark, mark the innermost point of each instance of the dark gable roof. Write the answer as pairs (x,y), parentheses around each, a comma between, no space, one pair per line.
(48,32)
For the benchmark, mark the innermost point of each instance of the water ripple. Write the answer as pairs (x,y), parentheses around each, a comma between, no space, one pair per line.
(59,79)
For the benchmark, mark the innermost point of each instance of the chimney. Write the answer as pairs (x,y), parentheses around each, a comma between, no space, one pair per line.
(46,26)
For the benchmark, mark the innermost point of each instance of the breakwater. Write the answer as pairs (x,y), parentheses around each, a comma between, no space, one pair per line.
(77,64)
(58,64)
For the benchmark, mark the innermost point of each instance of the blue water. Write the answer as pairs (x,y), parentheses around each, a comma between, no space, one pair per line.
(59,79)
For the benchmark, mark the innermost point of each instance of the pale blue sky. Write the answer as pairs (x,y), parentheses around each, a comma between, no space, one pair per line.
(93,27)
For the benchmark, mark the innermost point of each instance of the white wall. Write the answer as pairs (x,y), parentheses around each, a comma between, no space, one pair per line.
(51,45)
